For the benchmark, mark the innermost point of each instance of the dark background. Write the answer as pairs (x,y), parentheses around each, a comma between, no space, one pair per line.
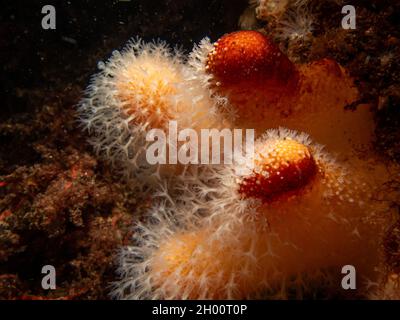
(32,57)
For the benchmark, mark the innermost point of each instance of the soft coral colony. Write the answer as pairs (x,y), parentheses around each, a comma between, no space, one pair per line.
(286,225)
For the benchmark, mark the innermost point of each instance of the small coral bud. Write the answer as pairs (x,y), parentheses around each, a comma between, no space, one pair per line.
(250,59)
(282,170)
(329,66)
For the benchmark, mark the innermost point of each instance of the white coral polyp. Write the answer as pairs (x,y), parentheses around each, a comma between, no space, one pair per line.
(139,88)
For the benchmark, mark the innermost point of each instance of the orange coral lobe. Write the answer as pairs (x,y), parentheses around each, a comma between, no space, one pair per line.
(284,171)
(248,58)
